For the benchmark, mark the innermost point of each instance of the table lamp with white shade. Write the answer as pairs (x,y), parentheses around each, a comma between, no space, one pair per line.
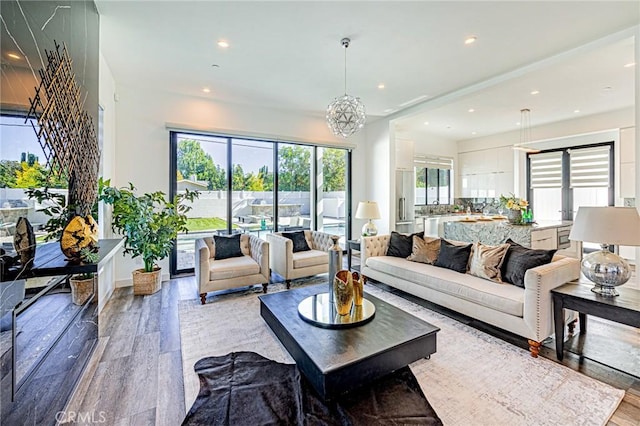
(606,226)
(368,210)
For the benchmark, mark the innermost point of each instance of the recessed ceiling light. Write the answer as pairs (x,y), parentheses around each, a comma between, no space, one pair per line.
(448,127)
(473,133)
(381,86)
(13,56)
(470,40)
(471,110)
(629,65)
(535,92)
(576,111)
(206,90)
(426,123)
(518,123)
(223,43)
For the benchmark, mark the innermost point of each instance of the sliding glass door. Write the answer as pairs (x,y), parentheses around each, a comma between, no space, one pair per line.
(252,187)
(199,163)
(257,187)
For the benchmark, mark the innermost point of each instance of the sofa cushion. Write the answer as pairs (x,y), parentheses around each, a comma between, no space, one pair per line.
(486,261)
(504,298)
(453,256)
(298,239)
(305,259)
(227,246)
(232,267)
(400,245)
(519,259)
(425,250)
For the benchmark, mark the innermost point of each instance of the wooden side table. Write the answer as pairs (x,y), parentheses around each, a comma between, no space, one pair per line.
(351,245)
(577,296)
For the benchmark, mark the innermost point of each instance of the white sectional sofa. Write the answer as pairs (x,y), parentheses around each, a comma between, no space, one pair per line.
(526,312)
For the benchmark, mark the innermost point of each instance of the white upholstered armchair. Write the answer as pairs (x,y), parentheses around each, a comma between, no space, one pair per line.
(249,269)
(290,265)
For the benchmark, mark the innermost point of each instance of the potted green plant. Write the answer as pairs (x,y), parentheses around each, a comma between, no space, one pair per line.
(149,224)
(82,285)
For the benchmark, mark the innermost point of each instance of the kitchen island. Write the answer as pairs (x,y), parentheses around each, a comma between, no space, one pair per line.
(542,235)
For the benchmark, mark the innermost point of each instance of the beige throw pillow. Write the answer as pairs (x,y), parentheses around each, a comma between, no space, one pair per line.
(425,250)
(486,261)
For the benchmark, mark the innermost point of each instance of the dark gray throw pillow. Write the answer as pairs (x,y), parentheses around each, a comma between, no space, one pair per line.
(299,241)
(519,259)
(401,245)
(227,246)
(453,257)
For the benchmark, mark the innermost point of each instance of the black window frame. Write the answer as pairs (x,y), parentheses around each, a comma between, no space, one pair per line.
(173,183)
(426,180)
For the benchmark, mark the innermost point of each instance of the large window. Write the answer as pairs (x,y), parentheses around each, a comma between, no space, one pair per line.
(562,180)
(433,181)
(257,187)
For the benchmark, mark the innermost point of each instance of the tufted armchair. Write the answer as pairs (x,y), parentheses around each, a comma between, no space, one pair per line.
(292,265)
(213,275)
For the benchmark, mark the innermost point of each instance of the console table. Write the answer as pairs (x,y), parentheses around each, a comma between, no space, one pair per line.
(577,296)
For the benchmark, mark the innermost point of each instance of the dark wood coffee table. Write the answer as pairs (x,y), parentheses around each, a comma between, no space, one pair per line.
(337,361)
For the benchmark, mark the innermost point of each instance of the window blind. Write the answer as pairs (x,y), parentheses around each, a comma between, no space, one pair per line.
(589,167)
(433,162)
(546,170)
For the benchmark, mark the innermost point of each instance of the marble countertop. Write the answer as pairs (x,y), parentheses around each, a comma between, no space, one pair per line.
(536,225)
(497,231)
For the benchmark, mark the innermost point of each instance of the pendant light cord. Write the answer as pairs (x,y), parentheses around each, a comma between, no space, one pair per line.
(345,68)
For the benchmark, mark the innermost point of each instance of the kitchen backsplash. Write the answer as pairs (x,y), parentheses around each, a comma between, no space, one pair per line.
(477,205)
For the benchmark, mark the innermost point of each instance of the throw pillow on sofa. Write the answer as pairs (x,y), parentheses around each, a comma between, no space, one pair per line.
(519,259)
(453,256)
(400,245)
(227,246)
(299,240)
(425,250)
(486,261)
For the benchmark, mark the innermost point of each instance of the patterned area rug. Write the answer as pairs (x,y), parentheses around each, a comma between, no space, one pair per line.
(473,378)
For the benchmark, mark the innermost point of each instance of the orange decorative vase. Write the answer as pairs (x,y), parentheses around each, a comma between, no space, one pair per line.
(343,292)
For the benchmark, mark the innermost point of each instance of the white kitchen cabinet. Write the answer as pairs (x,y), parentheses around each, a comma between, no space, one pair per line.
(545,239)
(505,157)
(485,173)
(404,154)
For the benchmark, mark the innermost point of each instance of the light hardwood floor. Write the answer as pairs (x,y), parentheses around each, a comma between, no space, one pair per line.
(135,375)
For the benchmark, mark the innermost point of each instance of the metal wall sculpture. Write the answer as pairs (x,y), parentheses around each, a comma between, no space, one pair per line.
(65,130)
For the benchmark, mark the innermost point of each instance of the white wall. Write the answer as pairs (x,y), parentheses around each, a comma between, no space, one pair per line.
(380,181)
(107,90)
(142,142)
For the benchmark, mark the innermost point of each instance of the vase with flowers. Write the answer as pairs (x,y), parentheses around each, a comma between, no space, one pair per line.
(515,207)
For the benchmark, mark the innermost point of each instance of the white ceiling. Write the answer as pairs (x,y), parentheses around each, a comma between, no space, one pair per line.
(287,55)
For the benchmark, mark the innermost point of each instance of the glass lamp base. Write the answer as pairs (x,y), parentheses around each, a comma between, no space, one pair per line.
(606,270)
(369,229)
(605,291)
